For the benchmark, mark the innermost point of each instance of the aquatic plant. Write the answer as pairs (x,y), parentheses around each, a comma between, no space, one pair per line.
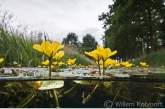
(103,54)
(108,62)
(45,62)
(126,64)
(50,50)
(70,62)
(143,64)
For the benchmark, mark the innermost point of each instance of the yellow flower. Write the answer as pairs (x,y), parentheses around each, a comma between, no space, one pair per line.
(39,66)
(58,55)
(37,84)
(101,66)
(71,62)
(108,62)
(124,63)
(128,65)
(104,53)
(54,63)
(60,63)
(143,64)
(117,64)
(1,60)
(48,48)
(45,62)
(101,53)
(19,65)
(93,54)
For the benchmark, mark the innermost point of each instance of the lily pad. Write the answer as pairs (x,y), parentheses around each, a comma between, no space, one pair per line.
(82,82)
(51,84)
(140,74)
(121,75)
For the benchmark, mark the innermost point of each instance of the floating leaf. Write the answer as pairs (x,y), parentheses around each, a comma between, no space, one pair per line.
(51,84)
(82,82)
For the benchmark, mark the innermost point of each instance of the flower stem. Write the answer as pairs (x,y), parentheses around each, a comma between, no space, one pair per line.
(26,101)
(98,62)
(56,98)
(99,69)
(104,73)
(143,51)
(50,70)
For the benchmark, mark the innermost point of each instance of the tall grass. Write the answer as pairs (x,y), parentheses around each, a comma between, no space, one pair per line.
(17,48)
(156,59)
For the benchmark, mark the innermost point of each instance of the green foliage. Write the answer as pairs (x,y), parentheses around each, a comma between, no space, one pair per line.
(130,21)
(18,48)
(89,43)
(156,59)
(71,39)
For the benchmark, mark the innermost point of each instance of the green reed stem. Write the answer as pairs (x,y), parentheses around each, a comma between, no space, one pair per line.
(90,95)
(56,98)
(104,73)
(66,92)
(116,95)
(24,104)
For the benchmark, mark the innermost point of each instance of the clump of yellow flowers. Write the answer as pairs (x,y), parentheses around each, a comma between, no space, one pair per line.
(102,56)
(45,62)
(51,50)
(1,60)
(126,64)
(70,62)
(143,64)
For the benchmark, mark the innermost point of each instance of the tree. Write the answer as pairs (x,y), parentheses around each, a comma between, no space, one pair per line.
(89,43)
(131,22)
(71,39)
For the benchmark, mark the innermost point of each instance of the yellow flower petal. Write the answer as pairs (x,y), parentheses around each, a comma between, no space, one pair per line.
(48,48)
(60,63)
(45,62)
(54,63)
(37,47)
(58,55)
(71,61)
(143,64)
(128,65)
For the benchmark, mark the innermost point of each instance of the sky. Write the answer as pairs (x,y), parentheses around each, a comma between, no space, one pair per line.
(59,17)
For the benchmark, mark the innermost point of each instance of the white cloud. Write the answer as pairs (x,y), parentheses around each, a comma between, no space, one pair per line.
(59,17)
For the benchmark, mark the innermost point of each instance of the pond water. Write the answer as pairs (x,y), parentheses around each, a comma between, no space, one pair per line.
(78,88)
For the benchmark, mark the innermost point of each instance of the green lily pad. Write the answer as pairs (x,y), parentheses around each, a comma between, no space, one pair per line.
(82,82)
(51,84)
